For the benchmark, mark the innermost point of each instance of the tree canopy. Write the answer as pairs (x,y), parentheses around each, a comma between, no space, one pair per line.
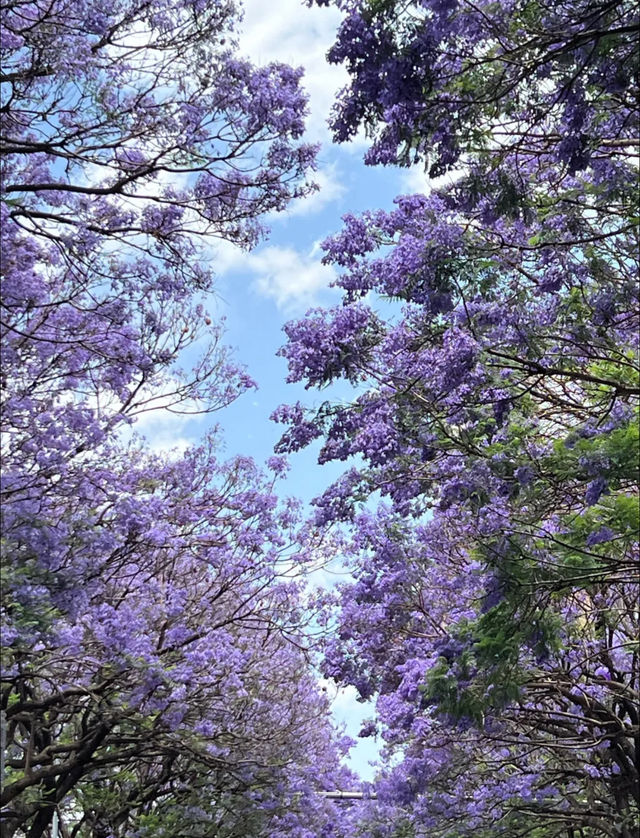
(158,677)
(491,327)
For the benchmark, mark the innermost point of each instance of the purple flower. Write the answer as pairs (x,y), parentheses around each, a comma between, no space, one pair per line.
(603,672)
(595,490)
(599,536)
(524,475)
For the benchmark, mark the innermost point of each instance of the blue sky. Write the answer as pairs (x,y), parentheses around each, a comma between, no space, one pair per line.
(260,291)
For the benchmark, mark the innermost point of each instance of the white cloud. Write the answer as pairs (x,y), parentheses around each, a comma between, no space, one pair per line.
(331,188)
(225,256)
(164,432)
(293,280)
(169,444)
(347,711)
(415,180)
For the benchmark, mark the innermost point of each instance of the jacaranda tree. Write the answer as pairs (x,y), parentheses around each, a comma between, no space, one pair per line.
(156,679)
(490,327)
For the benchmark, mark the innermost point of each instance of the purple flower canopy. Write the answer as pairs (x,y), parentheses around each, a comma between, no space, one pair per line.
(157,674)
(492,608)
(160,652)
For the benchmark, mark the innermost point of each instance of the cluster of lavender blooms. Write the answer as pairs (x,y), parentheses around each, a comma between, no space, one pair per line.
(493,609)
(156,671)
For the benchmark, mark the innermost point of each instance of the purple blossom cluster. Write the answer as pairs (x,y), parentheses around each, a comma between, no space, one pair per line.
(491,613)
(431,80)
(157,677)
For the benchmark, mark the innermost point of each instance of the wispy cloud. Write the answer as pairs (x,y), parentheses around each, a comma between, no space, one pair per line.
(415,179)
(165,433)
(292,279)
(331,189)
